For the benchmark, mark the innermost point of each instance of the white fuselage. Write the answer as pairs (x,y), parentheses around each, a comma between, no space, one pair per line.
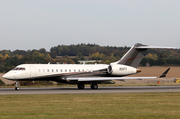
(36,71)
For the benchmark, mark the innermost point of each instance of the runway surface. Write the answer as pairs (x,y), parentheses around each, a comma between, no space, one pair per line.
(74,90)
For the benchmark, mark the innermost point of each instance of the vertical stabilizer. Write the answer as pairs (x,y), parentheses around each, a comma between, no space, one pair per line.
(134,56)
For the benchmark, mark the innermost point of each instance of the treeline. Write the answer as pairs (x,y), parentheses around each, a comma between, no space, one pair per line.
(10,59)
(86,50)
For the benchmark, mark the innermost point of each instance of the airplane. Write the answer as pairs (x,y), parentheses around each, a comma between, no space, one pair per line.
(82,74)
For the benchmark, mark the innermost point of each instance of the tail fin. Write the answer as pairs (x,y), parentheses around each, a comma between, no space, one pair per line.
(134,56)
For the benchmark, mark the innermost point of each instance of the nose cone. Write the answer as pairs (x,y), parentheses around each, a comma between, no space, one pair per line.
(5,76)
(8,76)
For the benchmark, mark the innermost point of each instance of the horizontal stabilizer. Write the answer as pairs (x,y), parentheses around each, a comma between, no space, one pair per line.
(158,47)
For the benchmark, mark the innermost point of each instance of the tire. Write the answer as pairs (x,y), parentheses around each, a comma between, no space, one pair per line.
(17,88)
(94,86)
(80,86)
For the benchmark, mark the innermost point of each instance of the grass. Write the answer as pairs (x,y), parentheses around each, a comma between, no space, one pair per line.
(91,106)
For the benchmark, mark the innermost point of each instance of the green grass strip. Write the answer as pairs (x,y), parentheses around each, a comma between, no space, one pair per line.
(91,106)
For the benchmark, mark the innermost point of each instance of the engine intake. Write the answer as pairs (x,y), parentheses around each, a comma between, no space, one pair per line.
(109,69)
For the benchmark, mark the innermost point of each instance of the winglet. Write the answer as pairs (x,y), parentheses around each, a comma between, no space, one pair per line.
(164,74)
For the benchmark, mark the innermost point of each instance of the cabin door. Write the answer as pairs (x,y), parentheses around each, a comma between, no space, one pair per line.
(33,72)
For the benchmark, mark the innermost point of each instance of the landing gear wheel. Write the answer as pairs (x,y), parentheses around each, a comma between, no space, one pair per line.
(80,86)
(17,88)
(94,86)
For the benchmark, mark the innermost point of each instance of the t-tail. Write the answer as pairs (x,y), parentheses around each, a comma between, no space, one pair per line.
(134,56)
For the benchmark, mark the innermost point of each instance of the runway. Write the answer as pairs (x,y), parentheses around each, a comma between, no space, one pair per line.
(74,90)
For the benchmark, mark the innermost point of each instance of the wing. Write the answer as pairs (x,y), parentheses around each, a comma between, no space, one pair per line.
(114,78)
(108,78)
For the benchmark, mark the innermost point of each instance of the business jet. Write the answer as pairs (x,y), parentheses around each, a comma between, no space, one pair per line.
(81,74)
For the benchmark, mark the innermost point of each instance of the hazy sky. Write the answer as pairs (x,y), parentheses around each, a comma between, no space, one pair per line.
(35,24)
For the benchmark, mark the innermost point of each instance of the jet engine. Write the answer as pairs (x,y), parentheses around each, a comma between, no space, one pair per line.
(121,70)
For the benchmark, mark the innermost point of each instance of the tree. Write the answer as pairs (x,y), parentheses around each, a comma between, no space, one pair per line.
(1,57)
(70,61)
(43,51)
(20,56)
(38,57)
(53,54)
(160,62)
(107,62)
(97,56)
(5,57)
(80,56)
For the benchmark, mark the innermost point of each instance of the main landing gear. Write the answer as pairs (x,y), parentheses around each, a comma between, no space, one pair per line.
(17,85)
(93,86)
(80,86)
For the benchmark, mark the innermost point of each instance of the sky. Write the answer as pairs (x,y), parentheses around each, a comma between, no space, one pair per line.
(36,24)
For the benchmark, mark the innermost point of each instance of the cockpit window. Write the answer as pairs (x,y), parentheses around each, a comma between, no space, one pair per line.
(19,68)
(15,68)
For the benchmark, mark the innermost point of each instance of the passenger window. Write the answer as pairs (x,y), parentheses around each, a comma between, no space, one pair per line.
(52,70)
(65,70)
(47,70)
(56,70)
(69,70)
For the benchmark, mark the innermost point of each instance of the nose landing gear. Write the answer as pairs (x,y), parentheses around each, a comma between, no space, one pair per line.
(17,85)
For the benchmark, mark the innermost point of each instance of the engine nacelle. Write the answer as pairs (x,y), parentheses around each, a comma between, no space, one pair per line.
(121,70)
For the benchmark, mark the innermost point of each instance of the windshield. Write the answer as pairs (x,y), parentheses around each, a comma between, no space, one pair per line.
(19,68)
